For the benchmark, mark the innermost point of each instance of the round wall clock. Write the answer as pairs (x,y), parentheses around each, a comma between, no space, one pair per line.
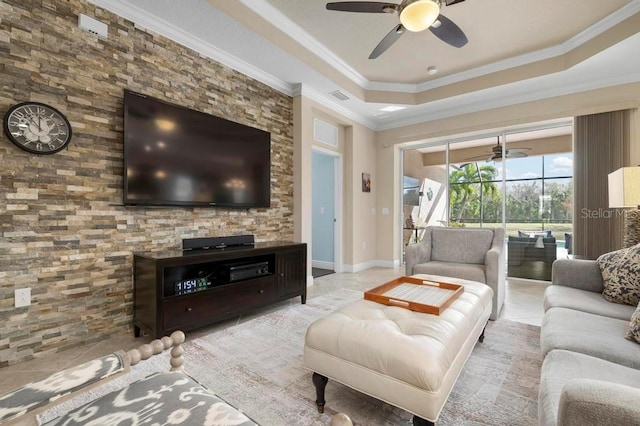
(37,128)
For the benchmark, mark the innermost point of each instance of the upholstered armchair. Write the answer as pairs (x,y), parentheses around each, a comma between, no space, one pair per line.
(469,253)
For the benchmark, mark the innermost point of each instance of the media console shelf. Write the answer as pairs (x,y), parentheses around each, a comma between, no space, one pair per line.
(184,290)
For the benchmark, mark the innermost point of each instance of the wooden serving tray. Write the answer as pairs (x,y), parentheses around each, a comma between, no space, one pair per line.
(430,297)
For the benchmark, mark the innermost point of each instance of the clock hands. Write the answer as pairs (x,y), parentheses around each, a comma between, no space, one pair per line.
(37,128)
(41,134)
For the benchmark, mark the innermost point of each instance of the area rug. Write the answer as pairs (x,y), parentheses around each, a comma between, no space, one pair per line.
(257,366)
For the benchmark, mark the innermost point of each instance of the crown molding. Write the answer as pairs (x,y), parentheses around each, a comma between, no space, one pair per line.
(603,25)
(499,100)
(166,29)
(420,115)
(579,39)
(295,32)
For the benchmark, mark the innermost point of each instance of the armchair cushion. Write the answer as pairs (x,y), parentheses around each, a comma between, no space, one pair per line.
(621,275)
(460,245)
(466,271)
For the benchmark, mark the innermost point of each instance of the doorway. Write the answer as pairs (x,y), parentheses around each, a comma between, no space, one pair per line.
(325,216)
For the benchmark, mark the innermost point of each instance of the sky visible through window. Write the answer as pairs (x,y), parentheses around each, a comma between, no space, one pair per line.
(555,165)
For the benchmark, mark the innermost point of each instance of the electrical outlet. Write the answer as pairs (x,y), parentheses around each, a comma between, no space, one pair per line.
(22,297)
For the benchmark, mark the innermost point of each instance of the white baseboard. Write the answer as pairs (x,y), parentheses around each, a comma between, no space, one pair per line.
(322,264)
(371,264)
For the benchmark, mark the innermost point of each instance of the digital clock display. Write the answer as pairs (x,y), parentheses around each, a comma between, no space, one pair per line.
(190,286)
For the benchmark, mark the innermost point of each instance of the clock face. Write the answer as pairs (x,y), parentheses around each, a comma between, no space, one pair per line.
(37,128)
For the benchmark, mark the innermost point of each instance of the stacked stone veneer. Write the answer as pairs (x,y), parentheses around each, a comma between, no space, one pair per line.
(65,232)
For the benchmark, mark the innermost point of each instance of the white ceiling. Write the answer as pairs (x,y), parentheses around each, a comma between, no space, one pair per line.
(299,46)
(497,30)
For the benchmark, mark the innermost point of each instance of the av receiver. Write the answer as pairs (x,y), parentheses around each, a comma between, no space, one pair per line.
(231,272)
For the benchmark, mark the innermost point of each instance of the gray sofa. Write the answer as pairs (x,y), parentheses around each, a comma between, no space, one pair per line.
(591,373)
(474,254)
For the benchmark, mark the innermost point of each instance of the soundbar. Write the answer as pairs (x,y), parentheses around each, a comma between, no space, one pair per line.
(217,242)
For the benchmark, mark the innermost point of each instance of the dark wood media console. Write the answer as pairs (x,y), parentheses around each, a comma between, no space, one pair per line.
(184,290)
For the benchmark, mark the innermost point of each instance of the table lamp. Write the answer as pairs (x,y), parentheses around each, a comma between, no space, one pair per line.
(624,192)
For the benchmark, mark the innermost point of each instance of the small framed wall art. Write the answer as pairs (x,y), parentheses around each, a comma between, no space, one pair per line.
(366,182)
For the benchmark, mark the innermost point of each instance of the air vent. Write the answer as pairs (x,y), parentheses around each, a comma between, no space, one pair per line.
(325,132)
(92,25)
(338,94)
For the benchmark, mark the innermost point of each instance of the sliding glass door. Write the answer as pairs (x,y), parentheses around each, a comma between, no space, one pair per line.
(519,180)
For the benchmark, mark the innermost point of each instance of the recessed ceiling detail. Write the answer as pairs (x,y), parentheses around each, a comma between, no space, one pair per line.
(518,51)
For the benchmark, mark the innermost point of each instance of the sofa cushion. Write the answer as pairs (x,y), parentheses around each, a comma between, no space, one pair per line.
(633,333)
(163,398)
(466,271)
(559,296)
(460,245)
(561,367)
(621,275)
(590,334)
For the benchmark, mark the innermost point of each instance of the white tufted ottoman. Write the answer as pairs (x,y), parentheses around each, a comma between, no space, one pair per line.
(405,358)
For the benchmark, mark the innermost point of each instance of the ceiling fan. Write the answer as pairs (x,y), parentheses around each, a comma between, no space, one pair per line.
(496,153)
(415,15)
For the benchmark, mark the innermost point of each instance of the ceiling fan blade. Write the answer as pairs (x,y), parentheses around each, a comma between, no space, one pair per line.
(362,6)
(449,32)
(452,2)
(480,157)
(514,150)
(516,155)
(387,41)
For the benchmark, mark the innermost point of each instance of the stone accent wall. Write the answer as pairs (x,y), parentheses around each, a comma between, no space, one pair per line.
(65,233)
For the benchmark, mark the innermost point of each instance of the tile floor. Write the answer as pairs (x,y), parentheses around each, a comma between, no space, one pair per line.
(523,303)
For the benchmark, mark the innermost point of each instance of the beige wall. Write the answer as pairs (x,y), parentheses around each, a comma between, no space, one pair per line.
(356,145)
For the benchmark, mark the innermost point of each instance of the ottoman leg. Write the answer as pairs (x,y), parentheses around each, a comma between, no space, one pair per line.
(481,338)
(319,381)
(419,421)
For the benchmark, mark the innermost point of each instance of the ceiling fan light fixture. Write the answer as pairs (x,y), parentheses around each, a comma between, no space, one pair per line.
(418,15)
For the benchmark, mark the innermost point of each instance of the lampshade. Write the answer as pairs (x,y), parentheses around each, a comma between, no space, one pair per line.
(418,15)
(624,187)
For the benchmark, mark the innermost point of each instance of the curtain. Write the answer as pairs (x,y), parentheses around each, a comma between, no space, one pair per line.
(602,144)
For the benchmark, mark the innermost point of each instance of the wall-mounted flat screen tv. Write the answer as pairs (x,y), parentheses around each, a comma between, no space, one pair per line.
(176,156)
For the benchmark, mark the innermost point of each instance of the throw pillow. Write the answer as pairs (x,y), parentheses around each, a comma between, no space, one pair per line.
(634,326)
(621,275)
